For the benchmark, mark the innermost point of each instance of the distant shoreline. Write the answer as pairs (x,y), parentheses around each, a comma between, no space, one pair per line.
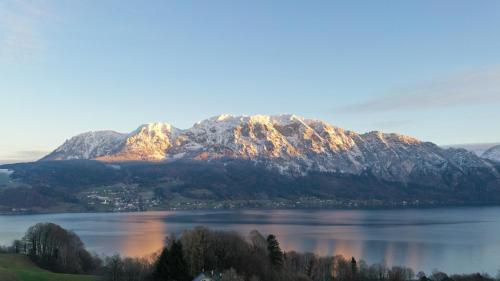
(364,208)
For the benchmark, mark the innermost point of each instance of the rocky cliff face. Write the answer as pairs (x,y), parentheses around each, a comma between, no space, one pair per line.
(287,143)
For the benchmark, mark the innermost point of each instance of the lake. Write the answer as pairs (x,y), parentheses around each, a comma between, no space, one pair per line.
(455,240)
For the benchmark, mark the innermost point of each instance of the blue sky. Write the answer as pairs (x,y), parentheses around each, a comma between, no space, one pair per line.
(430,69)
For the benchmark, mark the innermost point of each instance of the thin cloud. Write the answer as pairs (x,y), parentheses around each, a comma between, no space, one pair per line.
(20,34)
(474,88)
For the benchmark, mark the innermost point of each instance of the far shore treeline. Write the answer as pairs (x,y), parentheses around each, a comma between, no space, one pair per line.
(219,255)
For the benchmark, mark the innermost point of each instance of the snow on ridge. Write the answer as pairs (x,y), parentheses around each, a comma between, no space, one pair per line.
(162,130)
(162,127)
(287,142)
(6,172)
(492,153)
(257,118)
(477,148)
(88,145)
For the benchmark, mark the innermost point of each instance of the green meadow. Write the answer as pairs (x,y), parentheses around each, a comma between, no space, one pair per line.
(15,267)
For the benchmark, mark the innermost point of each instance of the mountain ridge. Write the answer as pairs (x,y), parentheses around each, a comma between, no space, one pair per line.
(288,143)
(259,161)
(492,153)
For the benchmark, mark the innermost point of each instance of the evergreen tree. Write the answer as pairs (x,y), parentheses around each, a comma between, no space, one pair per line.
(171,265)
(162,270)
(275,253)
(178,263)
(354,269)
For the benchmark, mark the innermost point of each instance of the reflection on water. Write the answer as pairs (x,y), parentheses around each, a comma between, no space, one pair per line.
(143,236)
(453,240)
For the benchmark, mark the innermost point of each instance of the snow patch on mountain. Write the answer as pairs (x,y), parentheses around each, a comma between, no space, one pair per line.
(6,172)
(88,145)
(288,143)
(477,148)
(492,153)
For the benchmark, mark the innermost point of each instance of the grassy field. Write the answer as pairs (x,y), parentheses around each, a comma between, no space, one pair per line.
(20,268)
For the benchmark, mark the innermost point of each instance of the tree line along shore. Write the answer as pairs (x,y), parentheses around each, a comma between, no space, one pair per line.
(205,254)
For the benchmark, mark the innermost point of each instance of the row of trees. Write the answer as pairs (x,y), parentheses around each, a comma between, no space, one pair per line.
(57,249)
(223,255)
(228,256)
(259,258)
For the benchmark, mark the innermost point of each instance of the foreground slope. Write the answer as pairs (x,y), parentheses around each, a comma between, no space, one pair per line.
(15,267)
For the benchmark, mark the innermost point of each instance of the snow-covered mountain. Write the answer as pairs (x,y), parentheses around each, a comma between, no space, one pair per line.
(492,153)
(89,145)
(477,148)
(288,143)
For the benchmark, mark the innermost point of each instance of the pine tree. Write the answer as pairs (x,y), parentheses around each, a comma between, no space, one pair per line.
(354,269)
(162,269)
(171,265)
(275,253)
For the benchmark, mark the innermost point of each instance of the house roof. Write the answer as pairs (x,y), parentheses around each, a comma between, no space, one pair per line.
(202,277)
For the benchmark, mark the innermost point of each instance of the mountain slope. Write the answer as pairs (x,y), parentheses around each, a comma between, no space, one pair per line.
(492,153)
(282,161)
(89,185)
(476,148)
(88,145)
(287,143)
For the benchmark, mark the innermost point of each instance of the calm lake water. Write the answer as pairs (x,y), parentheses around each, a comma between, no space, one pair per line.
(454,240)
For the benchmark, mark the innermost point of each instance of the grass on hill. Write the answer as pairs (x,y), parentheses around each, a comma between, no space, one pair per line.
(19,268)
